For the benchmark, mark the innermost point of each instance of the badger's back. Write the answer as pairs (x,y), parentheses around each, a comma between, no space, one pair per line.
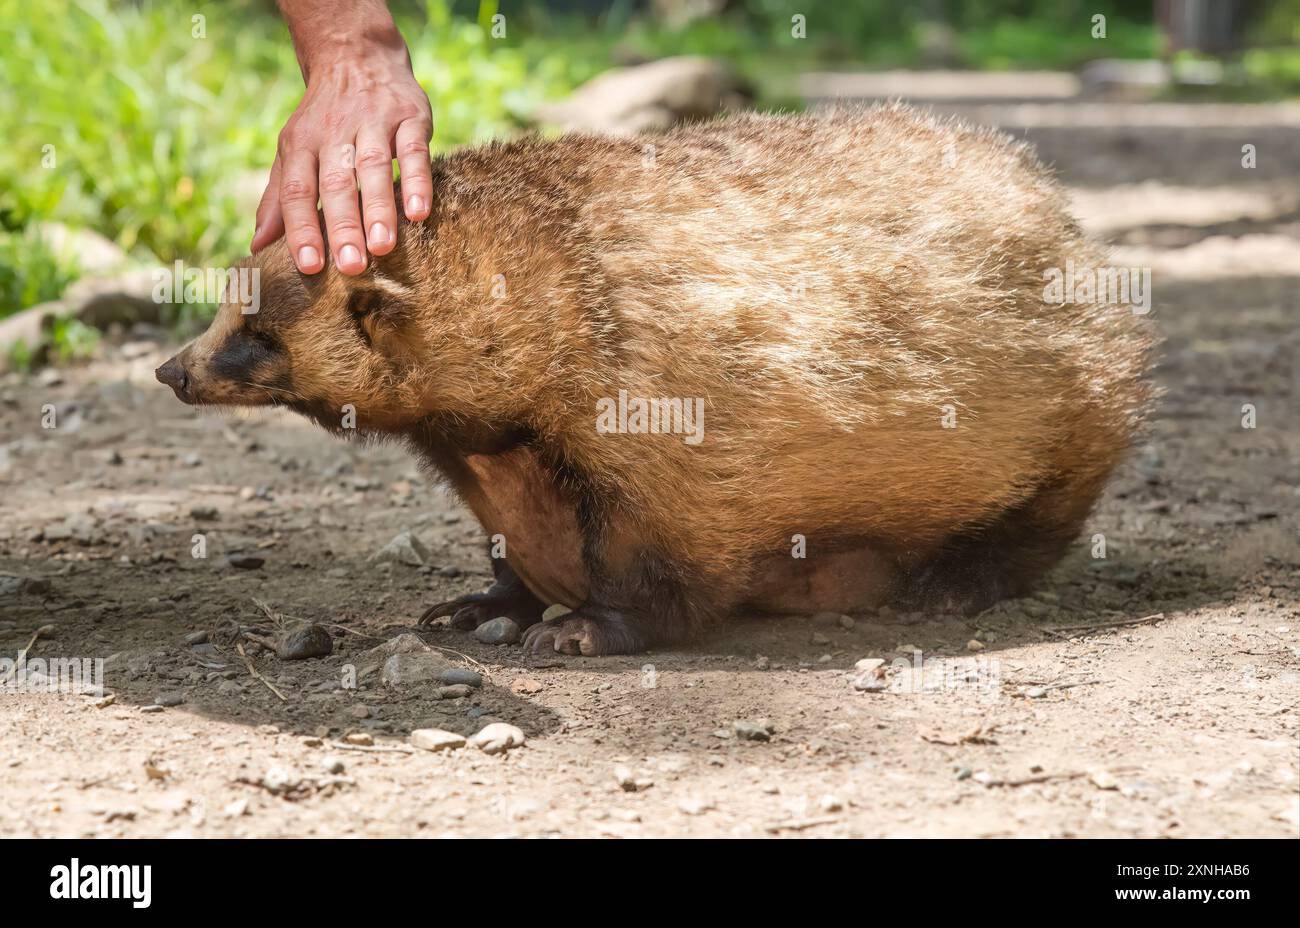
(839,288)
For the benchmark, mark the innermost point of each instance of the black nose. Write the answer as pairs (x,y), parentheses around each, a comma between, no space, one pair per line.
(173,374)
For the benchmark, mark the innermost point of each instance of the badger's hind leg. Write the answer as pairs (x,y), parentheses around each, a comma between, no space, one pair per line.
(508,596)
(975,569)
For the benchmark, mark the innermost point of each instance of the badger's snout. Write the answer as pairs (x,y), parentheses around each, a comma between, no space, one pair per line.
(174,375)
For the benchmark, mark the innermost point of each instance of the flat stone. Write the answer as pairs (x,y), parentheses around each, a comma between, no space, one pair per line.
(435,739)
(412,668)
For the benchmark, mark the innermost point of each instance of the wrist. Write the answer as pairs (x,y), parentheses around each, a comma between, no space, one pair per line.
(377,49)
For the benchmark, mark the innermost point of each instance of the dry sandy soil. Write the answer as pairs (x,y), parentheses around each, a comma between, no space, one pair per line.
(1152,693)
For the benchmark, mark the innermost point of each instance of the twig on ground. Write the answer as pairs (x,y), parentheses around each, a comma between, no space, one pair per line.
(253,670)
(373,748)
(800,824)
(1062,630)
(22,654)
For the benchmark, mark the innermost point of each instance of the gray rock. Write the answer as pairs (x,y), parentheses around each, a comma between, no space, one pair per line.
(303,642)
(405,643)
(435,739)
(245,561)
(171,698)
(12,584)
(413,668)
(497,738)
(501,630)
(405,548)
(460,675)
(647,97)
(747,730)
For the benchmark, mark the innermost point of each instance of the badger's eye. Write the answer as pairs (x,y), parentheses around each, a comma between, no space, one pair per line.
(244,354)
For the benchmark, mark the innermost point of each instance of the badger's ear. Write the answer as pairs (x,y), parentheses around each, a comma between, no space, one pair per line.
(377,292)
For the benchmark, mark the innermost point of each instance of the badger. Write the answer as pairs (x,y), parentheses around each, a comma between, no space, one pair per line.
(768,363)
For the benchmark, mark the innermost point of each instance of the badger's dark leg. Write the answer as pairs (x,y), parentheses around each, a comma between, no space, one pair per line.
(507,596)
(636,598)
(975,569)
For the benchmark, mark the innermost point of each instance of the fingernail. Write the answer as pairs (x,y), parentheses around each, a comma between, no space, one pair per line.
(378,234)
(414,204)
(308,256)
(348,254)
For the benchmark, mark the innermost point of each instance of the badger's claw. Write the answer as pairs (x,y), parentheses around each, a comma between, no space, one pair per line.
(472,610)
(587,632)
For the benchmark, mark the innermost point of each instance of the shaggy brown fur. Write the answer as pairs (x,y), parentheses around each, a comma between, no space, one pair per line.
(832,286)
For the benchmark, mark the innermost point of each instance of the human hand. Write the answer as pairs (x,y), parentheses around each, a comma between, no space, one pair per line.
(362,108)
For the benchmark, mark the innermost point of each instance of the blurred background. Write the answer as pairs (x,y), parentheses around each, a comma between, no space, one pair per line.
(139,133)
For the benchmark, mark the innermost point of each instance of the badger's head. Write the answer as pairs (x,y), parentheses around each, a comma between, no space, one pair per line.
(335,348)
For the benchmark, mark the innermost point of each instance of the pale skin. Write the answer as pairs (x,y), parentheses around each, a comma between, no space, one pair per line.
(362,108)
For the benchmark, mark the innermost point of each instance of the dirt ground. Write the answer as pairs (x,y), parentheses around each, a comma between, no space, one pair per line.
(1174,715)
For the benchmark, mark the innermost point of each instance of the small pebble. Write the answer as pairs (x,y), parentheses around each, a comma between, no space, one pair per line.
(554,612)
(460,676)
(630,783)
(304,642)
(748,730)
(498,738)
(501,630)
(1104,779)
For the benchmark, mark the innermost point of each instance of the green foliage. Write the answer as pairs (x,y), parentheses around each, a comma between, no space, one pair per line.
(151,121)
(30,271)
(140,119)
(72,340)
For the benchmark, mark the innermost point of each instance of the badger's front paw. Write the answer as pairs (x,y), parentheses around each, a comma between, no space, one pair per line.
(590,631)
(471,611)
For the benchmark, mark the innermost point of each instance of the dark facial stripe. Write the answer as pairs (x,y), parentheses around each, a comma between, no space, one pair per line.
(242,355)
